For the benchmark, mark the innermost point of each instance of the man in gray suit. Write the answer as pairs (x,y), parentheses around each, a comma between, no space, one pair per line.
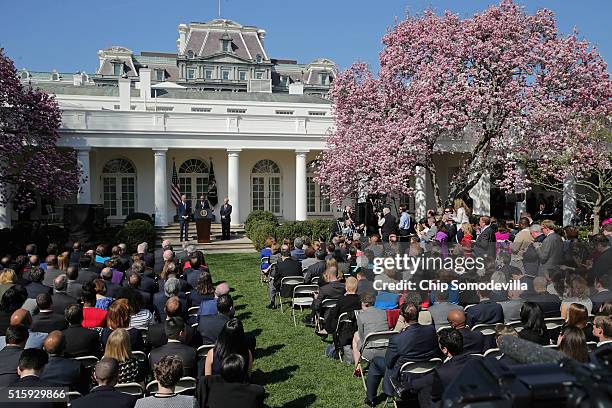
(439,311)
(551,250)
(512,306)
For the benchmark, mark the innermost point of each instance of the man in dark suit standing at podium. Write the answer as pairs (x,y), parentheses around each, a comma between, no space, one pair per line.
(184,209)
(226,218)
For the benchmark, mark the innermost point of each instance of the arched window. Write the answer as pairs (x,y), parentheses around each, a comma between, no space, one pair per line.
(119,188)
(266,186)
(316,202)
(193,178)
(190,54)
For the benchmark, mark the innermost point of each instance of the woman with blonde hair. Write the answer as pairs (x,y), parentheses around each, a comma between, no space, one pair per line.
(462,212)
(118,317)
(467,239)
(118,347)
(7,279)
(63,261)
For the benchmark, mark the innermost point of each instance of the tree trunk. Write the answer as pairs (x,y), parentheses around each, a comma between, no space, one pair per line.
(596,211)
(436,187)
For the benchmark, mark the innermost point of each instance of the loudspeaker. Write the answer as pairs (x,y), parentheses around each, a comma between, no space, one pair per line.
(83,221)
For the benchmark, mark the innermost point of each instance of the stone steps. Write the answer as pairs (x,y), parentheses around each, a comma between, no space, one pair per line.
(238,243)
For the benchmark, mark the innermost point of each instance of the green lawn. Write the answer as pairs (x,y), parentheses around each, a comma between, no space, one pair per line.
(290,361)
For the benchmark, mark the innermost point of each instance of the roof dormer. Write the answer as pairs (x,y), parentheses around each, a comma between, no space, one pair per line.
(225,43)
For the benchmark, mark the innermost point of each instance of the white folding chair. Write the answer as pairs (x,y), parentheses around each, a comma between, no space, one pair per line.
(494,352)
(326,304)
(193,311)
(591,345)
(413,367)
(184,386)
(552,346)
(485,329)
(315,280)
(373,340)
(131,388)
(87,361)
(553,323)
(288,281)
(516,325)
(303,296)
(342,319)
(203,351)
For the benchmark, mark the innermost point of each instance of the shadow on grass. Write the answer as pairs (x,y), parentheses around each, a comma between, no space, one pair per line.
(305,401)
(274,376)
(243,316)
(236,297)
(255,332)
(268,351)
(240,307)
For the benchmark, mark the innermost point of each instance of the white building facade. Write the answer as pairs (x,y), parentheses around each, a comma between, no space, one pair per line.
(220,102)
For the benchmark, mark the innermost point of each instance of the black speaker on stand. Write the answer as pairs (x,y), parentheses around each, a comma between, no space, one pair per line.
(83,221)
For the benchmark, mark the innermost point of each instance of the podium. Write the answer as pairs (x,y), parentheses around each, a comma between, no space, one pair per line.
(203,220)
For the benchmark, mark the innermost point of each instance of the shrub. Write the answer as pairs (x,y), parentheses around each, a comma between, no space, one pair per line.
(259,215)
(259,231)
(309,228)
(138,216)
(136,231)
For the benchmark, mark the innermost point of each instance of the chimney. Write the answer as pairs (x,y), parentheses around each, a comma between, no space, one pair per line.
(296,88)
(145,83)
(125,97)
(77,79)
(182,40)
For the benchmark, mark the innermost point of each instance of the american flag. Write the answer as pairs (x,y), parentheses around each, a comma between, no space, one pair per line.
(175,191)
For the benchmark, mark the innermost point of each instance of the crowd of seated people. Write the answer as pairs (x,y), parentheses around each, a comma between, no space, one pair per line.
(548,272)
(59,317)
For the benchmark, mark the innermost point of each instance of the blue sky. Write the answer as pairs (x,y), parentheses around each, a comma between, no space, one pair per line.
(43,35)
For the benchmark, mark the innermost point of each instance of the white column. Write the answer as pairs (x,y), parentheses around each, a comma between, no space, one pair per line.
(161,188)
(84,195)
(6,211)
(300,185)
(481,195)
(569,199)
(233,182)
(420,195)
(125,96)
(520,206)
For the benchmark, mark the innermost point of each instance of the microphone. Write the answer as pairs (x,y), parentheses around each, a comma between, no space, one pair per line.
(527,352)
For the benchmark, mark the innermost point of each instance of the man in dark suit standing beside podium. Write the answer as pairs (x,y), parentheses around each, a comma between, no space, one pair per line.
(226,218)
(184,210)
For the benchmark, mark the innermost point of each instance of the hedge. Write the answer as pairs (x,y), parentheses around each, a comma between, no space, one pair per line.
(136,231)
(138,216)
(260,229)
(259,215)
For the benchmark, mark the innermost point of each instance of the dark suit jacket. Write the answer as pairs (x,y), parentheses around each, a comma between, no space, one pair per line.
(36,288)
(74,289)
(105,396)
(214,392)
(331,290)
(550,304)
(159,260)
(75,256)
(9,360)
(61,300)
(446,373)
(599,299)
(185,352)
(485,312)
(604,348)
(289,267)
(111,288)
(156,335)
(210,327)
(347,304)
(315,271)
(485,243)
(87,275)
(50,275)
(473,342)
(184,209)
(602,265)
(82,342)
(147,284)
(415,343)
(225,212)
(46,322)
(159,302)
(66,372)
(389,225)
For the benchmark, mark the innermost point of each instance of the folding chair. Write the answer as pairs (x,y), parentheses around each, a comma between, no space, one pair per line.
(193,311)
(494,352)
(373,340)
(591,345)
(552,346)
(201,355)
(131,388)
(439,329)
(516,325)
(485,329)
(145,334)
(185,385)
(303,296)
(287,284)
(344,318)
(315,280)
(323,310)
(143,362)
(264,274)
(553,323)
(467,307)
(412,367)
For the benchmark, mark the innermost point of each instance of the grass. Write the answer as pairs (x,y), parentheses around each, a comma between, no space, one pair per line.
(289,361)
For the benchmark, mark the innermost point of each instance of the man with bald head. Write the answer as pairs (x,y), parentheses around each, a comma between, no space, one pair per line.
(159,256)
(156,335)
(61,370)
(22,317)
(105,394)
(107,276)
(473,342)
(135,282)
(52,271)
(61,298)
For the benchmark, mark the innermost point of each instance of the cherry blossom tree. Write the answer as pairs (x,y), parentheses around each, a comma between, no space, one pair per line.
(30,162)
(502,86)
